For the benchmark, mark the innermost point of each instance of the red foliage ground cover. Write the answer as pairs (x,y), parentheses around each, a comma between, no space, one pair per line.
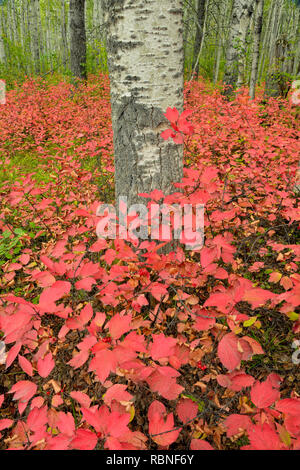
(111,346)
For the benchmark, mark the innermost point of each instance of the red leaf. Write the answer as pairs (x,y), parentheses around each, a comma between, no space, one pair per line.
(237,423)
(289,406)
(103,363)
(167,134)
(23,390)
(199,444)
(84,440)
(178,139)
(186,410)
(166,387)
(263,394)
(158,290)
(37,418)
(25,258)
(263,438)
(117,392)
(258,297)
(6,423)
(228,351)
(119,325)
(160,422)
(12,354)
(162,346)
(79,359)
(235,381)
(66,423)
(172,114)
(82,398)
(49,296)
(113,424)
(81,320)
(85,284)
(25,365)
(45,365)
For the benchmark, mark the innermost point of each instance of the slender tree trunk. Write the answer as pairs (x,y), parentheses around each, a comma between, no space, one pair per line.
(199,35)
(296,42)
(40,33)
(196,66)
(220,39)
(48,40)
(266,37)
(34,32)
(78,38)
(274,31)
(22,24)
(64,35)
(234,70)
(256,45)
(188,19)
(2,49)
(276,83)
(145,53)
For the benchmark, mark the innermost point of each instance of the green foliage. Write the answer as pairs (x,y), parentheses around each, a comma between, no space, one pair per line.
(11,245)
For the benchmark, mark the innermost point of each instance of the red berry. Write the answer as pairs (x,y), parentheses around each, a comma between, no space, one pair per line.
(106,340)
(201,366)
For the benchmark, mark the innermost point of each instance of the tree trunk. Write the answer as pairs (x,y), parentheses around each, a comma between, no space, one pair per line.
(199,35)
(34,34)
(145,54)
(219,42)
(256,45)
(277,83)
(78,39)
(266,38)
(64,41)
(2,49)
(241,15)
(295,67)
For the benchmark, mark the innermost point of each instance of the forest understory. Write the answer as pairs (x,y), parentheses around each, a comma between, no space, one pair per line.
(110,346)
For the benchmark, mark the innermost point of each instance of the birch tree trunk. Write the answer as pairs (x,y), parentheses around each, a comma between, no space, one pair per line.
(241,15)
(219,39)
(266,36)
(197,59)
(2,49)
(78,38)
(188,33)
(64,34)
(296,64)
(274,31)
(199,35)
(34,32)
(256,45)
(145,54)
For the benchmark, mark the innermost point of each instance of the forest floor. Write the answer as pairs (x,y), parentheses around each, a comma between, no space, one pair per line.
(108,346)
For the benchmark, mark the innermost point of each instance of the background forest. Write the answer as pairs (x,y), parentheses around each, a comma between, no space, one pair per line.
(35,39)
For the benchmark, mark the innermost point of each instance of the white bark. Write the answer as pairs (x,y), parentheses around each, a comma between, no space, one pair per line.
(256,45)
(197,58)
(296,64)
(64,41)
(200,33)
(234,70)
(266,37)
(34,32)
(2,49)
(145,52)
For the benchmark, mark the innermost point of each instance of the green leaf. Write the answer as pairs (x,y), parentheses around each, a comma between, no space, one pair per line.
(250,322)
